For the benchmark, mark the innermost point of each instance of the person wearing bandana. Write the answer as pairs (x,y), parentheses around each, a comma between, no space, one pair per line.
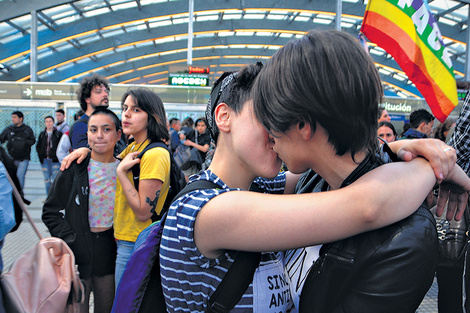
(206,228)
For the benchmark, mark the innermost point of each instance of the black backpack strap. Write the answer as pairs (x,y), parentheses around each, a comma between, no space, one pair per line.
(239,275)
(235,282)
(196,185)
(136,168)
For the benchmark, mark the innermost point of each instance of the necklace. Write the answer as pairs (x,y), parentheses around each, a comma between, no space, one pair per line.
(140,145)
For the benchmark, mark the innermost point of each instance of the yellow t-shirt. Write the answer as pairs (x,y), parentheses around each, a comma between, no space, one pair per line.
(155,164)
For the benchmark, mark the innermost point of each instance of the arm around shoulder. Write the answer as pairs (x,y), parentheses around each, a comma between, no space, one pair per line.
(232,220)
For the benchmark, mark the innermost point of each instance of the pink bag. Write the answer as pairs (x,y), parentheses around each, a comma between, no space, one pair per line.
(44,279)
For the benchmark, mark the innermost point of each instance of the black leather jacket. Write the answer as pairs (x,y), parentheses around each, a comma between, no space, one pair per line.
(385,270)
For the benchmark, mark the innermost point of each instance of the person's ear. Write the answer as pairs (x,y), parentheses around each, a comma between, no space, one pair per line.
(305,130)
(421,126)
(119,133)
(222,117)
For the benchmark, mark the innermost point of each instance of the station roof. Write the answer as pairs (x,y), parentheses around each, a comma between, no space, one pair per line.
(142,41)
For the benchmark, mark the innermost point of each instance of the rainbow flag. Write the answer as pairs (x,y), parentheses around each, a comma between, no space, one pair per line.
(407,30)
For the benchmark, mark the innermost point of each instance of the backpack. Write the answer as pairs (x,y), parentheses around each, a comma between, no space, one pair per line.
(177,179)
(140,288)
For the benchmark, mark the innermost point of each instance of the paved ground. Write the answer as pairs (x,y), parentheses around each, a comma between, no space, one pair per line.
(16,243)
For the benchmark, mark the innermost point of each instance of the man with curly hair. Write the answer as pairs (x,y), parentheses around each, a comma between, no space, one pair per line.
(92,93)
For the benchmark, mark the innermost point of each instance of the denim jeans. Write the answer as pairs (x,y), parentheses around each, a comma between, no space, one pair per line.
(21,168)
(124,251)
(49,170)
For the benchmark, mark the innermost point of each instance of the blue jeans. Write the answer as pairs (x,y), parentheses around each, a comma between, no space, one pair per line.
(21,168)
(49,170)
(124,251)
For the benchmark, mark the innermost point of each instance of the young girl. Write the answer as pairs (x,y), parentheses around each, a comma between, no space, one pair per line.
(143,117)
(86,192)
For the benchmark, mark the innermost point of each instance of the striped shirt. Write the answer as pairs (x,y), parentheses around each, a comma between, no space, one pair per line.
(460,140)
(189,278)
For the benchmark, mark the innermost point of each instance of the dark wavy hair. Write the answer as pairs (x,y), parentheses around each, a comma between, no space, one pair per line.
(86,86)
(325,77)
(150,103)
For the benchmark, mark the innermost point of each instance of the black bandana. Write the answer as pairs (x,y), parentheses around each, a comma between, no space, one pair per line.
(214,101)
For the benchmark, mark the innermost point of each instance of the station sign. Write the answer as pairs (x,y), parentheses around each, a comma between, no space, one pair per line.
(199,80)
(41,91)
(198,70)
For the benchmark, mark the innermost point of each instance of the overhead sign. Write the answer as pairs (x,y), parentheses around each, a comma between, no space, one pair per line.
(198,70)
(38,91)
(200,80)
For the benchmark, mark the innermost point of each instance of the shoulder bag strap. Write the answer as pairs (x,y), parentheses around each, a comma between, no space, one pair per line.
(235,282)
(19,199)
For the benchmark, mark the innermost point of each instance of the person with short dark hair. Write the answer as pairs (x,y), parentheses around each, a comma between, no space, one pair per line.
(79,209)
(329,117)
(175,127)
(199,144)
(421,124)
(20,138)
(382,115)
(206,228)
(48,140)
(61,124)
(65,145)
(92,93)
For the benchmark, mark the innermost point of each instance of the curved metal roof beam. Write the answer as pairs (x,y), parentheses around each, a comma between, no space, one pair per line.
(72,29)
(97,53)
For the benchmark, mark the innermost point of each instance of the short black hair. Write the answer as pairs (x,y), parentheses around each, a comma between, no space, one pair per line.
(60,111)
(173,120)
(419,116)
(49,116)
(105,111)
(201,119)
(86,86)
(18,113)
(325,77)
(233,89)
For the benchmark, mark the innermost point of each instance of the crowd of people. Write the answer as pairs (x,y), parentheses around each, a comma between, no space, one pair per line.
(322,245)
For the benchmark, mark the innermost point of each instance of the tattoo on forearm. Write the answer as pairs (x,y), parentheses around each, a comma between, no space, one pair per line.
(153,203)
(132,192)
